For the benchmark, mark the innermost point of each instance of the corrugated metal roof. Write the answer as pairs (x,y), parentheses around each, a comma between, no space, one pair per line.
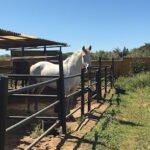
(10,39)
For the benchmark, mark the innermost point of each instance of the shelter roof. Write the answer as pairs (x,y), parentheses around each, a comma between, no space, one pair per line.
(10,39)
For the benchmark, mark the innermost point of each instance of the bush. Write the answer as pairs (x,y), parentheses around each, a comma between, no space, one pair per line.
(140,80)
(138,66)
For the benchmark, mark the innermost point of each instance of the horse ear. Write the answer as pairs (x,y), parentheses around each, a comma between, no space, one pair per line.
(83,48)
(90,47)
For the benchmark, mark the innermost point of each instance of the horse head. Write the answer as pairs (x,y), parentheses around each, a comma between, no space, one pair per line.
(86,59)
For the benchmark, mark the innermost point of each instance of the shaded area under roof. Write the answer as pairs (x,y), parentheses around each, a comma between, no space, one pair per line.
(10,39)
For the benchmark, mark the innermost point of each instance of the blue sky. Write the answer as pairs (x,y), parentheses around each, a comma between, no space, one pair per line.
(104,24)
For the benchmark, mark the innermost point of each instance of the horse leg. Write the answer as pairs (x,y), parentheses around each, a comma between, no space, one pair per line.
(38,91)
(16,81)
(28,101)
(67,102)
(11,83)
(26,82)
(22,82)
(34,91)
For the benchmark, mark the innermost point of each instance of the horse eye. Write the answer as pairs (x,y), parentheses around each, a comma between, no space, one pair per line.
(84,57)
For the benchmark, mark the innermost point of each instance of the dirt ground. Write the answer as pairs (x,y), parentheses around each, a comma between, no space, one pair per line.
(75,133)
(74,139)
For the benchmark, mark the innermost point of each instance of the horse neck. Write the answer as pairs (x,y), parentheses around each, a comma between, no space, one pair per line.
(74,62)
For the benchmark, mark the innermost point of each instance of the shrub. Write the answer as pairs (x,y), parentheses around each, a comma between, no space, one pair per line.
(138,66)
(140,80)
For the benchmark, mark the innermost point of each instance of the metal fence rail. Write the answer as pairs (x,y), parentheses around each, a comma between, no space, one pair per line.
(97,76)
(29,118)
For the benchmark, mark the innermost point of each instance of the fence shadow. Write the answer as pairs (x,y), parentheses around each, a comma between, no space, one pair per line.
(77,141)
(129,123)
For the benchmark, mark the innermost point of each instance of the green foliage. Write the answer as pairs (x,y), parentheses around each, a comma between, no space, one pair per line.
(117,53)
(104,54)
(107,131)
(3,57)
(138,66)
(142,51)
(133,83)
(121,53)
(126,126)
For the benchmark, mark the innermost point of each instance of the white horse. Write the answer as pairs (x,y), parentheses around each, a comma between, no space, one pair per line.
(72,66)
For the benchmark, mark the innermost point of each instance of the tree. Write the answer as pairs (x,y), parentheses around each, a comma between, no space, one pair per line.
(118,52)
(125,51)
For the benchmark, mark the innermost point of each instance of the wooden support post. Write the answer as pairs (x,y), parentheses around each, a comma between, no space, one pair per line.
(3,108)
(82,93)
(62,94)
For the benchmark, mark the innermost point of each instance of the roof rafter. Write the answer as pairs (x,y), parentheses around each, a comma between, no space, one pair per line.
(10,39)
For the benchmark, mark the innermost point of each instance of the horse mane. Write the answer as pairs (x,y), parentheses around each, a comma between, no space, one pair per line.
(70,57)
(67,59)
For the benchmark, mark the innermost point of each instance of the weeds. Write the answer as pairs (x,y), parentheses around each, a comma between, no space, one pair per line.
(127,125)
(133,83)
(36,132)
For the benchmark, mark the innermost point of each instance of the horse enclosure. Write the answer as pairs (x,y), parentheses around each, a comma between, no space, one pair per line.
(100,76)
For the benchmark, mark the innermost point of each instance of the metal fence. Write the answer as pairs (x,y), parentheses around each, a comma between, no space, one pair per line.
(99,76)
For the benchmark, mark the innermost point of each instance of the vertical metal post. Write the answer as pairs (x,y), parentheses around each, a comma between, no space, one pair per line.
(44,50)
(62,94)
(105,79)
(3,106)
(82,93)
(22,80)
(89,89)
(44,53)
(100,76)
(22,51)
(100,63)
(97,86)
(112,73)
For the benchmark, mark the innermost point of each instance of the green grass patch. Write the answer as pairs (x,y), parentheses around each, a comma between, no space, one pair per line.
(126,126)
(133,83)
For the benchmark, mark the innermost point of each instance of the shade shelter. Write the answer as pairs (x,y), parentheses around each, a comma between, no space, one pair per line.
(26,49)
(10,40)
